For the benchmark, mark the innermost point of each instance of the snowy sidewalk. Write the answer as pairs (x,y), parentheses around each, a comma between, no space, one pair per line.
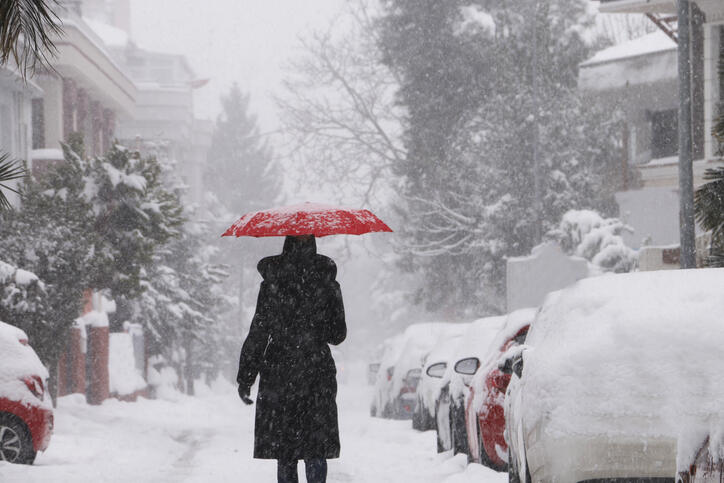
(209,438)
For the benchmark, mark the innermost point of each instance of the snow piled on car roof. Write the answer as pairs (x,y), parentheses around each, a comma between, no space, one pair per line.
(637,355)
(17,361)
(474,343)
(420,339)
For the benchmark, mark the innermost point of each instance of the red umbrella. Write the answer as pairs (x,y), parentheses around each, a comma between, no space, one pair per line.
(307,219)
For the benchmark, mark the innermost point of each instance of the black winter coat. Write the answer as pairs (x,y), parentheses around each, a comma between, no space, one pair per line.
(299,312)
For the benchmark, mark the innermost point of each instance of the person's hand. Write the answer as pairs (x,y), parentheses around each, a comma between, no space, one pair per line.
(244,395)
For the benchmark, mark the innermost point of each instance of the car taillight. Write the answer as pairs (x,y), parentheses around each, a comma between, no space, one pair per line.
(501,381)
(35,385)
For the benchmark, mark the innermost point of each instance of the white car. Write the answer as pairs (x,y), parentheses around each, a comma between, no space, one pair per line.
(400,369)
(617,372)
(474,346)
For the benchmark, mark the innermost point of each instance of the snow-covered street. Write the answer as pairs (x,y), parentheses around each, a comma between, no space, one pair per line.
(209,438)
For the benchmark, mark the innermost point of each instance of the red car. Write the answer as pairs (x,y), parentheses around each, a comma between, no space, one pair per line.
(484,414)
(26,415)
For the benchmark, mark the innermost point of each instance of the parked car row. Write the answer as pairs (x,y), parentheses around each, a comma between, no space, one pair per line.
(615,378)
(437,365)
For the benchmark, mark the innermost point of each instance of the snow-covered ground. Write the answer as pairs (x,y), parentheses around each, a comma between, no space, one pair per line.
(209,438)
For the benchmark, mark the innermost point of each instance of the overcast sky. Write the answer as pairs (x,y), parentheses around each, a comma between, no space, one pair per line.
(231,40)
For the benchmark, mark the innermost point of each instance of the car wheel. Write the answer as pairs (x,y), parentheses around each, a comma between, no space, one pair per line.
(440,445)
(514,470)
(16,444)
(458,431)
(417,423)
(485,459)
(513,476)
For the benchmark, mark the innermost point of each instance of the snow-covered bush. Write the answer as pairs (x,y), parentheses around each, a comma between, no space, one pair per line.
(586,234)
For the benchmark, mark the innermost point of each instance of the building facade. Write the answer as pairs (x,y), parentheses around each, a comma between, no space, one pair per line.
(640,79)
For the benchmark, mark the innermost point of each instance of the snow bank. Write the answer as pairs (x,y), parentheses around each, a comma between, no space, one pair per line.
(124,377)
(629,355)
(18,361)
(475,343)
(164,379)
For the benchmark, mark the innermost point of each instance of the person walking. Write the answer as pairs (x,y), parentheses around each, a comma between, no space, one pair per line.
(299,312)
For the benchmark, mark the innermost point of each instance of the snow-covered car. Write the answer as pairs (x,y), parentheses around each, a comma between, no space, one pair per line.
(26,415)
(484,413)
(617,373)
(473,347)
(372,370)
(400,369)
(431,382)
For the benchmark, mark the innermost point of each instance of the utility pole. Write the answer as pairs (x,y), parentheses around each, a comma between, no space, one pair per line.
(686,174)
(537,202)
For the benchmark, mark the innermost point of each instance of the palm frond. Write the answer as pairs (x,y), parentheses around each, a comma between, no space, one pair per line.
(10,169)
(27,28)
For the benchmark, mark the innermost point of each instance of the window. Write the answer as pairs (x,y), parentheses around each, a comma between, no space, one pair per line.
(38,120)
(664,133)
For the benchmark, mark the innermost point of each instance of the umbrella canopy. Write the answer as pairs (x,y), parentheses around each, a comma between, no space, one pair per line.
(307,219)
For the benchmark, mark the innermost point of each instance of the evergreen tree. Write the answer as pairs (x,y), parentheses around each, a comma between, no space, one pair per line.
(240,171)
(52,235)
(241,176)
(135,215)
(467,81)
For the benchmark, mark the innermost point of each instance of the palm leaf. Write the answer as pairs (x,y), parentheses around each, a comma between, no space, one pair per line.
(10,169)
(26,31)
(709,211)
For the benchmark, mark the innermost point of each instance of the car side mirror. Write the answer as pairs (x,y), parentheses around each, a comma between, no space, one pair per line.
(468,366)
(437,370)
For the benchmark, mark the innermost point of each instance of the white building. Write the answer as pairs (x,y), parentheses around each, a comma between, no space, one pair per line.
(640,78)
(163,121)
(16,103)
(86,92)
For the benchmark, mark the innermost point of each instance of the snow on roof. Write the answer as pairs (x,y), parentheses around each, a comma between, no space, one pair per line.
(478,336)
(110,35)
(647,44)
(630,354)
